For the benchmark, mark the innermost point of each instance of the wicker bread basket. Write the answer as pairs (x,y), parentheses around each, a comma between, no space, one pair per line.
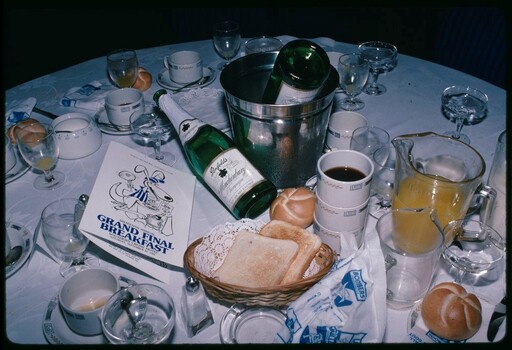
(277,296)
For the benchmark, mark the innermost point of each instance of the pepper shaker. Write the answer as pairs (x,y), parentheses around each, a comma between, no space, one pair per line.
(195,308)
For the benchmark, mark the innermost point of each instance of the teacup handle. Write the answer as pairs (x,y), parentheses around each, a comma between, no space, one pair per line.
(166,63)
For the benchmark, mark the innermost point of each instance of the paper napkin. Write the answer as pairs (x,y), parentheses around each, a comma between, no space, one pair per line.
(90,96)
(19,112)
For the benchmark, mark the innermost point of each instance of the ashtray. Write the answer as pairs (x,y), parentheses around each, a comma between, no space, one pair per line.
(243,325)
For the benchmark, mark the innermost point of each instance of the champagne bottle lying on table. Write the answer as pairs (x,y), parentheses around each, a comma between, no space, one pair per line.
(215,159)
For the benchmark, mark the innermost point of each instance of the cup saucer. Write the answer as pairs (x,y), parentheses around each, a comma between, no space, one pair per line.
(19,236)
(165,81)
(56,331)
(104,124)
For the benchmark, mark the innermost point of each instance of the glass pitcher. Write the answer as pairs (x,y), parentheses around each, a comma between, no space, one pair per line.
(438,172)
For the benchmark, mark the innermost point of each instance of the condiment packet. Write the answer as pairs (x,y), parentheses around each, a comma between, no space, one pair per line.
(19,112)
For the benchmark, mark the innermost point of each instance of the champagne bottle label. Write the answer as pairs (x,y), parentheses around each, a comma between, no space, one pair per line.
(290,95)
(231,176)
(188,128)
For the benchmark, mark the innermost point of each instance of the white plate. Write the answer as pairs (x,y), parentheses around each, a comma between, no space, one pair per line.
(20,168)
(165,81)
(56,330)
(104,124)
(18,235)
(242,324)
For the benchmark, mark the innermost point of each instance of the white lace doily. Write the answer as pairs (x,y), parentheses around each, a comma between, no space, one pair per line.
(212,108)
(211,252)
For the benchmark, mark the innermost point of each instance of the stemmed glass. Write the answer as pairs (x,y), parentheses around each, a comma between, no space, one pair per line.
(384,160)
(463,105)
(122,67)
(59,221)
(382,58)
(38,145)
(474,249)
(226,40)
(354,71)
(153,126)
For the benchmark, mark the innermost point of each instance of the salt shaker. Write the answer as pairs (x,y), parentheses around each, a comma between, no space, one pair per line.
(195,308)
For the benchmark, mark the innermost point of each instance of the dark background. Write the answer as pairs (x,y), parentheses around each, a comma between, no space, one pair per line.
(40,38)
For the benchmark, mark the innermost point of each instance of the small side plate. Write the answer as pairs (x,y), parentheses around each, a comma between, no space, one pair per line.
(165,81)
(19,236)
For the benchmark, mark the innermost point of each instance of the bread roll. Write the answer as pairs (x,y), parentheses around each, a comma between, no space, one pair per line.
(450,312)
(256,261)
(294,205)
(144,80)
(309,245)
(30,123)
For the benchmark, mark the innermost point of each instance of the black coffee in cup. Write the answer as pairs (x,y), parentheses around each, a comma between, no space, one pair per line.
(345,173)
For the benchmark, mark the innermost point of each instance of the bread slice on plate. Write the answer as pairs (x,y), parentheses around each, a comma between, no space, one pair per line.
(309,245)
(256,261)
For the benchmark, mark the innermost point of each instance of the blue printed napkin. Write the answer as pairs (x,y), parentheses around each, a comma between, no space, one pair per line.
(90,96)
(19,112)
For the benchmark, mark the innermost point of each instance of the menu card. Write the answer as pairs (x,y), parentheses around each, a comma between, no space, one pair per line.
(139,210)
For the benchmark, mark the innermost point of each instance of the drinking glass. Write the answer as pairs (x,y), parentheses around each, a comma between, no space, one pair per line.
(226,40)
(155,127)
(38,145)
(122,67)
(384,160)
(368,139)
(463,105)
(354,71)
(475,252)
(59,221)
(382,58)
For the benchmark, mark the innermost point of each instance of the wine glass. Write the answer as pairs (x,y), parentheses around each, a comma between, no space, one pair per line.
(382,58)
(226,40)
(38,145)
(368,139)
(59,221)
(354,71)
(463,105)
(154,126)
(384,160)
(475,251)
(122,67)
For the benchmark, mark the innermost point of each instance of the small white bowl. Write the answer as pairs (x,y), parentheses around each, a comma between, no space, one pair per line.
(78,135)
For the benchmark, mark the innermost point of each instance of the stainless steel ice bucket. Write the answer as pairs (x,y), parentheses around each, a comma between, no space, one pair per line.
(283,142)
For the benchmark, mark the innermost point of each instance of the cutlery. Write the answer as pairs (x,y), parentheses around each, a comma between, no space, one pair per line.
(45,113)
(199,82)
(497,317)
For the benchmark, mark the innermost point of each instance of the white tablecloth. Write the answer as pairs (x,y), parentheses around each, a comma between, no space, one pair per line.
(411,104)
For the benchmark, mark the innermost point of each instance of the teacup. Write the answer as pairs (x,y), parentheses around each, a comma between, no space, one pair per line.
(10,156)
(340,128)
(120,104)
(77,134)
(184,66)
(82,296)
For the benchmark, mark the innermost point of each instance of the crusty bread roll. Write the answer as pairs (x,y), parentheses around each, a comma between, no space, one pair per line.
(28,124)
(144,80)
(309,245)
(294,205)
(256,261)
(450,312)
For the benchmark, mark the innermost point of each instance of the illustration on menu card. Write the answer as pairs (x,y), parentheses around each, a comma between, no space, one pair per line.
(141,205)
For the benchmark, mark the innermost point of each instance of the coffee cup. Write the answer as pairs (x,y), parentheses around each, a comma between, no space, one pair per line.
(10,156)
(82,296)
(344,243)
(340,128)
(120,104)
(184,66)
(341,219)
(344,178)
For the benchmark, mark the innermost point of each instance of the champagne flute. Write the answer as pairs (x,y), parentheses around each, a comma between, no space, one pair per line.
(38,145)
(463,105)
(354,71)
(59,222)
(226,40)
(153,126)
(382,58)
(122,67)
